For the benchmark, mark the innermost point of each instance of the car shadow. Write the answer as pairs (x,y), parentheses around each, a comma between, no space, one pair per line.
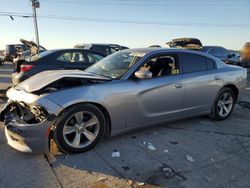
(180,148)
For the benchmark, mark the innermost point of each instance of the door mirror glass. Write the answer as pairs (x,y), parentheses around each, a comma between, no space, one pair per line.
(143,74)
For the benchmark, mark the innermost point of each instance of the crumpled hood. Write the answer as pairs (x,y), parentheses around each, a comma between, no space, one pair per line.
(43,79)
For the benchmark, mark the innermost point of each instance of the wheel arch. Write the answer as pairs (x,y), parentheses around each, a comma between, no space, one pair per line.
(233,88)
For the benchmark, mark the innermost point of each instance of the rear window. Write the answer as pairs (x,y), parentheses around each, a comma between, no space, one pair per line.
(193,63)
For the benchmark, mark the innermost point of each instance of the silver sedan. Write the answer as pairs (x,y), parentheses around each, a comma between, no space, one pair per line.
(127,90)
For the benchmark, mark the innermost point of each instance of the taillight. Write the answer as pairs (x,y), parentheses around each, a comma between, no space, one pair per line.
(25,68)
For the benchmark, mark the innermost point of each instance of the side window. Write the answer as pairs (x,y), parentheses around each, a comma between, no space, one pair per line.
(192,63)
(164,65)
(93,58)
(72,57)
(210,64)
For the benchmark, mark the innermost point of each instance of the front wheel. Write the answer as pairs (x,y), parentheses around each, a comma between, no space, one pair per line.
(223,105)
(79,128)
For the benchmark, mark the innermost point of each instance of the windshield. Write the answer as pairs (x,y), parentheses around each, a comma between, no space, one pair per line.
(116,65)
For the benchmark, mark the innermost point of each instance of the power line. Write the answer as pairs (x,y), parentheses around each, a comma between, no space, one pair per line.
(157,3)
(124,21)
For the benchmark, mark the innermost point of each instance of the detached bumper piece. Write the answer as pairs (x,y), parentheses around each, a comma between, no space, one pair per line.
(26,128)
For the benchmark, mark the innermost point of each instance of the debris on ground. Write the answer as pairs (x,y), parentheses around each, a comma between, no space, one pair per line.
(168,172)
(174,142)
(208,179)
(141,184)
(115,153)
(74,166)
(134,137)
(102,179)
(165,150)
(190,158)
(149,146)
(212,160)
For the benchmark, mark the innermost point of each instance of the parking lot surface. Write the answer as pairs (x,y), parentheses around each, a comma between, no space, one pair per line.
(196,152)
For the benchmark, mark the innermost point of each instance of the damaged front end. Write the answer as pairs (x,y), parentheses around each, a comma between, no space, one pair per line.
(23,113)
(27,122)
(31,112)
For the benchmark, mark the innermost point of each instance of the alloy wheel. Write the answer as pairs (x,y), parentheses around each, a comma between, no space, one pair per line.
(225,104)
(81,129)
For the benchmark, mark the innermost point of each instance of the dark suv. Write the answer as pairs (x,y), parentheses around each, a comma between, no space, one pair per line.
(221,53)
(105,49)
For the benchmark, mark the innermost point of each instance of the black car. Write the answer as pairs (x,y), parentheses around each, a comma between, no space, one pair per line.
(54,60)
(222,53)
(186,43)
(105,49)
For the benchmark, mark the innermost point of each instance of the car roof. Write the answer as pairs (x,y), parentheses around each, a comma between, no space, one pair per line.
(103,44)
(168,50)
(158,49)
(71,49)
(75,49)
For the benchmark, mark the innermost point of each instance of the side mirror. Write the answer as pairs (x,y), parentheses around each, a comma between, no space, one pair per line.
(143,74)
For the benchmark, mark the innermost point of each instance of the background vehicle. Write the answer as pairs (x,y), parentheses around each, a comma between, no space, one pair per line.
(245,59)
(222,53)
(105,49)
(235,58)
(10,51)
(186,43)
(33,49)
(54,60)
(124,91)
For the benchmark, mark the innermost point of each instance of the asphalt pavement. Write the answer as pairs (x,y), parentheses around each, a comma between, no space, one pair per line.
(196,152)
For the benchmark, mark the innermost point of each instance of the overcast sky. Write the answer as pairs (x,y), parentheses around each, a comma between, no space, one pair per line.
(222,22)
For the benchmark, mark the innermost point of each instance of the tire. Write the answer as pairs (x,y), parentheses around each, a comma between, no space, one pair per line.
(68,129)
(219,105)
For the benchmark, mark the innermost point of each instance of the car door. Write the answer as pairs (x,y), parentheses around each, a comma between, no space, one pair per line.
(201,83)
(154,100)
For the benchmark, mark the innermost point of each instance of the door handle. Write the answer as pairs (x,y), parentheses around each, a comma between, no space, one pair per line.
(179,85)
(217,77)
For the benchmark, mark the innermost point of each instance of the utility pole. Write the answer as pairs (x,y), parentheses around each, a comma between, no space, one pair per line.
(35,5)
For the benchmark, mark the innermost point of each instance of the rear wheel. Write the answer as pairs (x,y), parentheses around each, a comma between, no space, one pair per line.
(79,129)
(223,105)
